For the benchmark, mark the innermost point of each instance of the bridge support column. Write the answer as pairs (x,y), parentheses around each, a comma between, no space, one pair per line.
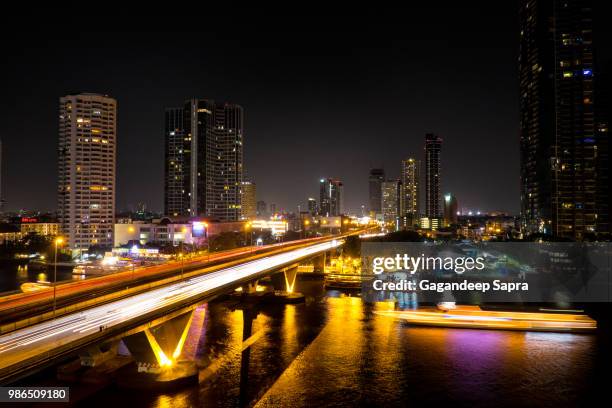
(158,348)
(95,355)
(290,278)
(319,263)
(250,287)
(284,280)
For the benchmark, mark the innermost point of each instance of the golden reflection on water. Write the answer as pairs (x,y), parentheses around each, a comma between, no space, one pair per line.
(289,333)
(359,352)
(359,355)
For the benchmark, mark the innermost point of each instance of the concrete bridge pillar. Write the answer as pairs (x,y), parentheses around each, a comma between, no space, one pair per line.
(97,354)
(285,279)
(160,346)
(319,263)
(250,287)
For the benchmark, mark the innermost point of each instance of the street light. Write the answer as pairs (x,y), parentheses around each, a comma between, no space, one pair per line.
(303,230)
(58,241)
(207,242)
(247,227)
(182,264)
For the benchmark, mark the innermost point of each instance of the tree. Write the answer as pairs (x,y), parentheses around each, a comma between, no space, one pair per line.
(352,246)
(227,240)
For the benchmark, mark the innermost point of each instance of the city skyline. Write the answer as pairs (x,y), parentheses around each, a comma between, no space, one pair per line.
(310,97)
(399,208)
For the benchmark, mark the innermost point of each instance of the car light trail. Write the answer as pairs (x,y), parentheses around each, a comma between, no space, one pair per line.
(30,341)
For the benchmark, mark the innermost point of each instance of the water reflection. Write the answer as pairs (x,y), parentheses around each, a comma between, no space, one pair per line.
(334,350)
(14,274)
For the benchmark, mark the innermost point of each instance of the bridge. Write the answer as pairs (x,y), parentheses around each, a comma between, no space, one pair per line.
(152,319)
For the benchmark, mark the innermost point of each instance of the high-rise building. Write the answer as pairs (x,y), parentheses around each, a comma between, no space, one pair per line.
(249,200)
(377,176)
(603,114)
(433,145)
(208,164)
(86,169)
(312,206)
(450,209)
(410,189)
(390,201)
(1,173)
(262,209)
(176,176)
(562,157)
(330,197)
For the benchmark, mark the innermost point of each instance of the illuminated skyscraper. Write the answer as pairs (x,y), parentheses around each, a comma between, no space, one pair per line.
(249,200)
(176,178)
(208,164)
(86,169)
(410,189)
(433,145)
(564,176)
(330,197)
(312,206)
(450,209)
(390,201)
(377,176)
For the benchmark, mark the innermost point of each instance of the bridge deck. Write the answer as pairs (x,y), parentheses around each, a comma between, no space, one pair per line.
(22,348)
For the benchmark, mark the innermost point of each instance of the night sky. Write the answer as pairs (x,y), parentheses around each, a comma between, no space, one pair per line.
(323,101)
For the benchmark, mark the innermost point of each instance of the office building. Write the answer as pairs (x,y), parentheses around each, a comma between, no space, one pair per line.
(86,169)
(377,176)
(204,172)
(330,197)
(433,145)
(390,201)
(262,209)
(450,209)
(564,172)
(312,206)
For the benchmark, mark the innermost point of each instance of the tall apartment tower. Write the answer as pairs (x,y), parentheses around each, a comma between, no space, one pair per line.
(208,164)
(249,200)
(433,145)
(410,188)
(377,176)
(86,169)
(177,149)
(564,180)
(330,197)
(1,173)
(391,201)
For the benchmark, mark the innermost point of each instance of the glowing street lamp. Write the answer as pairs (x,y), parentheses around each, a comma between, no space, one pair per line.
(247,228)
(58,241)
(182,264)
(205,225)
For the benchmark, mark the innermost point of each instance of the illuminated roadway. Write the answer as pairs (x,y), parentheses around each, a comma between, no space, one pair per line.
(11,302)
(39,339)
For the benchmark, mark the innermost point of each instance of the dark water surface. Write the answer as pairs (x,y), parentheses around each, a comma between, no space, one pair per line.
(13,274)
(334,351)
